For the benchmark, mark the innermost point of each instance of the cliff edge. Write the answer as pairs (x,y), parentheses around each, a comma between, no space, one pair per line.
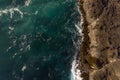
(100,50)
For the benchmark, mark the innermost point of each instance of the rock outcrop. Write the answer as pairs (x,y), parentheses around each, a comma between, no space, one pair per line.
(100,49)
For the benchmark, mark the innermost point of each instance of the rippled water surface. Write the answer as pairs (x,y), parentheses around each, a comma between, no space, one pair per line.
(37,39)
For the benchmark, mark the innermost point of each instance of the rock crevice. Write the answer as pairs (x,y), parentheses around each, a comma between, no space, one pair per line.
(100,49)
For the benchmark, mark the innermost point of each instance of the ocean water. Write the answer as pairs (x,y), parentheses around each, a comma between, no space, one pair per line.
(39,39)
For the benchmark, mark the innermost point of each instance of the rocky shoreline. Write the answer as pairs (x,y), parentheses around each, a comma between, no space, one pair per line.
(100,48)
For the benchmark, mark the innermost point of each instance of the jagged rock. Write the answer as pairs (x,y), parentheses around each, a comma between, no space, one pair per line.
(100,49)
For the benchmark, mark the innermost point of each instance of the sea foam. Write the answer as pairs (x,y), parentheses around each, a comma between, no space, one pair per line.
(27,2)
(11,12)
(75,72)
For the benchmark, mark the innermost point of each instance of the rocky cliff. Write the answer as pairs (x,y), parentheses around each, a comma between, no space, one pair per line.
(100,49)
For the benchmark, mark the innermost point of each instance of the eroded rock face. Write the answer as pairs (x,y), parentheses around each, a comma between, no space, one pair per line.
(102,54)
(110,71)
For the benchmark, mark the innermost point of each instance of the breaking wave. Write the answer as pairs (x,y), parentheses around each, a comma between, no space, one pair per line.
(75,72)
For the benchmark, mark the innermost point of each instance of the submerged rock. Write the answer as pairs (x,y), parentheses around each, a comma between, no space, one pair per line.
(100,49)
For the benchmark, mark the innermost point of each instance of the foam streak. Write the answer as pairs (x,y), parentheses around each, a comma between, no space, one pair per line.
(11,11)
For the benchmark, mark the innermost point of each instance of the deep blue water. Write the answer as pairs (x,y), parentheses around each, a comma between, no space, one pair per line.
(36,39)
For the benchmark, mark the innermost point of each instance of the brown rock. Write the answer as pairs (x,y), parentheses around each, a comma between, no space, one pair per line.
(100,49)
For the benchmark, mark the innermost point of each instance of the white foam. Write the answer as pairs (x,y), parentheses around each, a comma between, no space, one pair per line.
(11,12)
(11,28)
(75,72)
(24,68)
(14,55)
(27,2)
(36,12)
(78,28)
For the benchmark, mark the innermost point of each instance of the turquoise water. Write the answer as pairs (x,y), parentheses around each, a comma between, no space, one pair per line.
(36,39)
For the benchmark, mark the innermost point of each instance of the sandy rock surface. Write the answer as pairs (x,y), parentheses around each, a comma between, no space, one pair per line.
(100,59)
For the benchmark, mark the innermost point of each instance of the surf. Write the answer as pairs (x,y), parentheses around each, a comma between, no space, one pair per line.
(75,72)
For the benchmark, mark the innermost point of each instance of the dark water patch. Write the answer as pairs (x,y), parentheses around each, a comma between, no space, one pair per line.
(39,45)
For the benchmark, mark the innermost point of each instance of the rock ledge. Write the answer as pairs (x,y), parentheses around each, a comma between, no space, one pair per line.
(100,49)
